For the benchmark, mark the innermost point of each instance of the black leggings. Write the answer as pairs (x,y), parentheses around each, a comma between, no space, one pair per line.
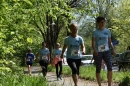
(58,73)
(74,65)
(44,64)
(106,56)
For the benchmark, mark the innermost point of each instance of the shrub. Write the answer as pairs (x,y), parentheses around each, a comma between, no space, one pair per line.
(125,81)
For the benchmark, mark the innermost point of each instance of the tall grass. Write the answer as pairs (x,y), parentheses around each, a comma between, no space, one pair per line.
(11,79)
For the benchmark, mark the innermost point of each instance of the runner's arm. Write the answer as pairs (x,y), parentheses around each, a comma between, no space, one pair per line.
(93,44)
(83,48)
(48,55)
(63,50)
(37,55)
(111,45)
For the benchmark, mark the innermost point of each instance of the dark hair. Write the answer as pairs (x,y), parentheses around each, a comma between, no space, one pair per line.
(43,42)
(73,26)
(29,50)
(99,18)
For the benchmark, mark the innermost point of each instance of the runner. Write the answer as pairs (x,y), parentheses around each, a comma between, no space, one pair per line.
(29,60)
(57,61)
(44,58)
(101,41)
(73,43)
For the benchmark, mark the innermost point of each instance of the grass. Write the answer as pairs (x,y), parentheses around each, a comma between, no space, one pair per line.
(11,79)
(88,73)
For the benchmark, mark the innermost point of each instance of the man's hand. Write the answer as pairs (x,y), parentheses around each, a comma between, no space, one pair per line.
(34,60)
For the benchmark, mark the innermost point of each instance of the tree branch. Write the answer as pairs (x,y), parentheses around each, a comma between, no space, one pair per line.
(39,28)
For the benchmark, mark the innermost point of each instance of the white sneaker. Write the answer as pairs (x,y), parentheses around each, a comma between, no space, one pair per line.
(58,79)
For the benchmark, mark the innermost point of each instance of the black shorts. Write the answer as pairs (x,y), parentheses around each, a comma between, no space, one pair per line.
(43,62)
(28,63)
(74,64)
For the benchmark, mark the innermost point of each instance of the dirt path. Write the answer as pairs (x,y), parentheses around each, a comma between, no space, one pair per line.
(66,81)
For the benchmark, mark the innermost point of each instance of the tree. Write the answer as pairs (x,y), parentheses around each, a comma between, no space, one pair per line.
(121,24)
(24,22)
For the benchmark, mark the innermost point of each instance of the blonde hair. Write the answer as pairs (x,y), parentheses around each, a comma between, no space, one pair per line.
(58,44)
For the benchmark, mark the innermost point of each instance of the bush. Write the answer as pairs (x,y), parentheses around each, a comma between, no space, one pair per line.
(12,75)
(125,81)
(9,66)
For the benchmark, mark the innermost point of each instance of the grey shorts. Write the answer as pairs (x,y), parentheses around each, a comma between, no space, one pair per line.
(106,56)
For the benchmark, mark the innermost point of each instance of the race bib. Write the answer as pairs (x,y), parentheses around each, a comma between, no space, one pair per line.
(44,57)
(57,56)
(28,59)
(74,52)
(103,48)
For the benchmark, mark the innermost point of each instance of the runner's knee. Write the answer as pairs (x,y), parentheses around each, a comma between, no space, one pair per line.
(74,71)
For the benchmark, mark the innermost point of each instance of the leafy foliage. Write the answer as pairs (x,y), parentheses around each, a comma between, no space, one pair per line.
(9,67)
(121,24)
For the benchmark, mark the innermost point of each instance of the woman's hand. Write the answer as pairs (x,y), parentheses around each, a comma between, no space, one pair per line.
(113,52)
(63,61)
(48,61)
(83,53)
(62,56)
(95,53)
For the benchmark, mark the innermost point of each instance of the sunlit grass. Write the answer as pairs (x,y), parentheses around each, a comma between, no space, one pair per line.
(88,73)
(22,80)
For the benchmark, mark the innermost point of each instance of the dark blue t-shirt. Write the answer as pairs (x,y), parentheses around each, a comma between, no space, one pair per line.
(30,57)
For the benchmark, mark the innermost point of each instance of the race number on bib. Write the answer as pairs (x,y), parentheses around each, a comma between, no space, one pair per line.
(57,56)
(28,59)
(102,48)
(74,52)
(44,57)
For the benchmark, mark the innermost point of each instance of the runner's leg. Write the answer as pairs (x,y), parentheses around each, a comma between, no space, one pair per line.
(57,70)
(98,61)
(78,64)
(108,61)
(72,64)
(29,69)
(42,64)
(60,71)
(46,66)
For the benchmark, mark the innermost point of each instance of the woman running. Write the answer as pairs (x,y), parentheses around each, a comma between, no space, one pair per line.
(44,58)
(73,43)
